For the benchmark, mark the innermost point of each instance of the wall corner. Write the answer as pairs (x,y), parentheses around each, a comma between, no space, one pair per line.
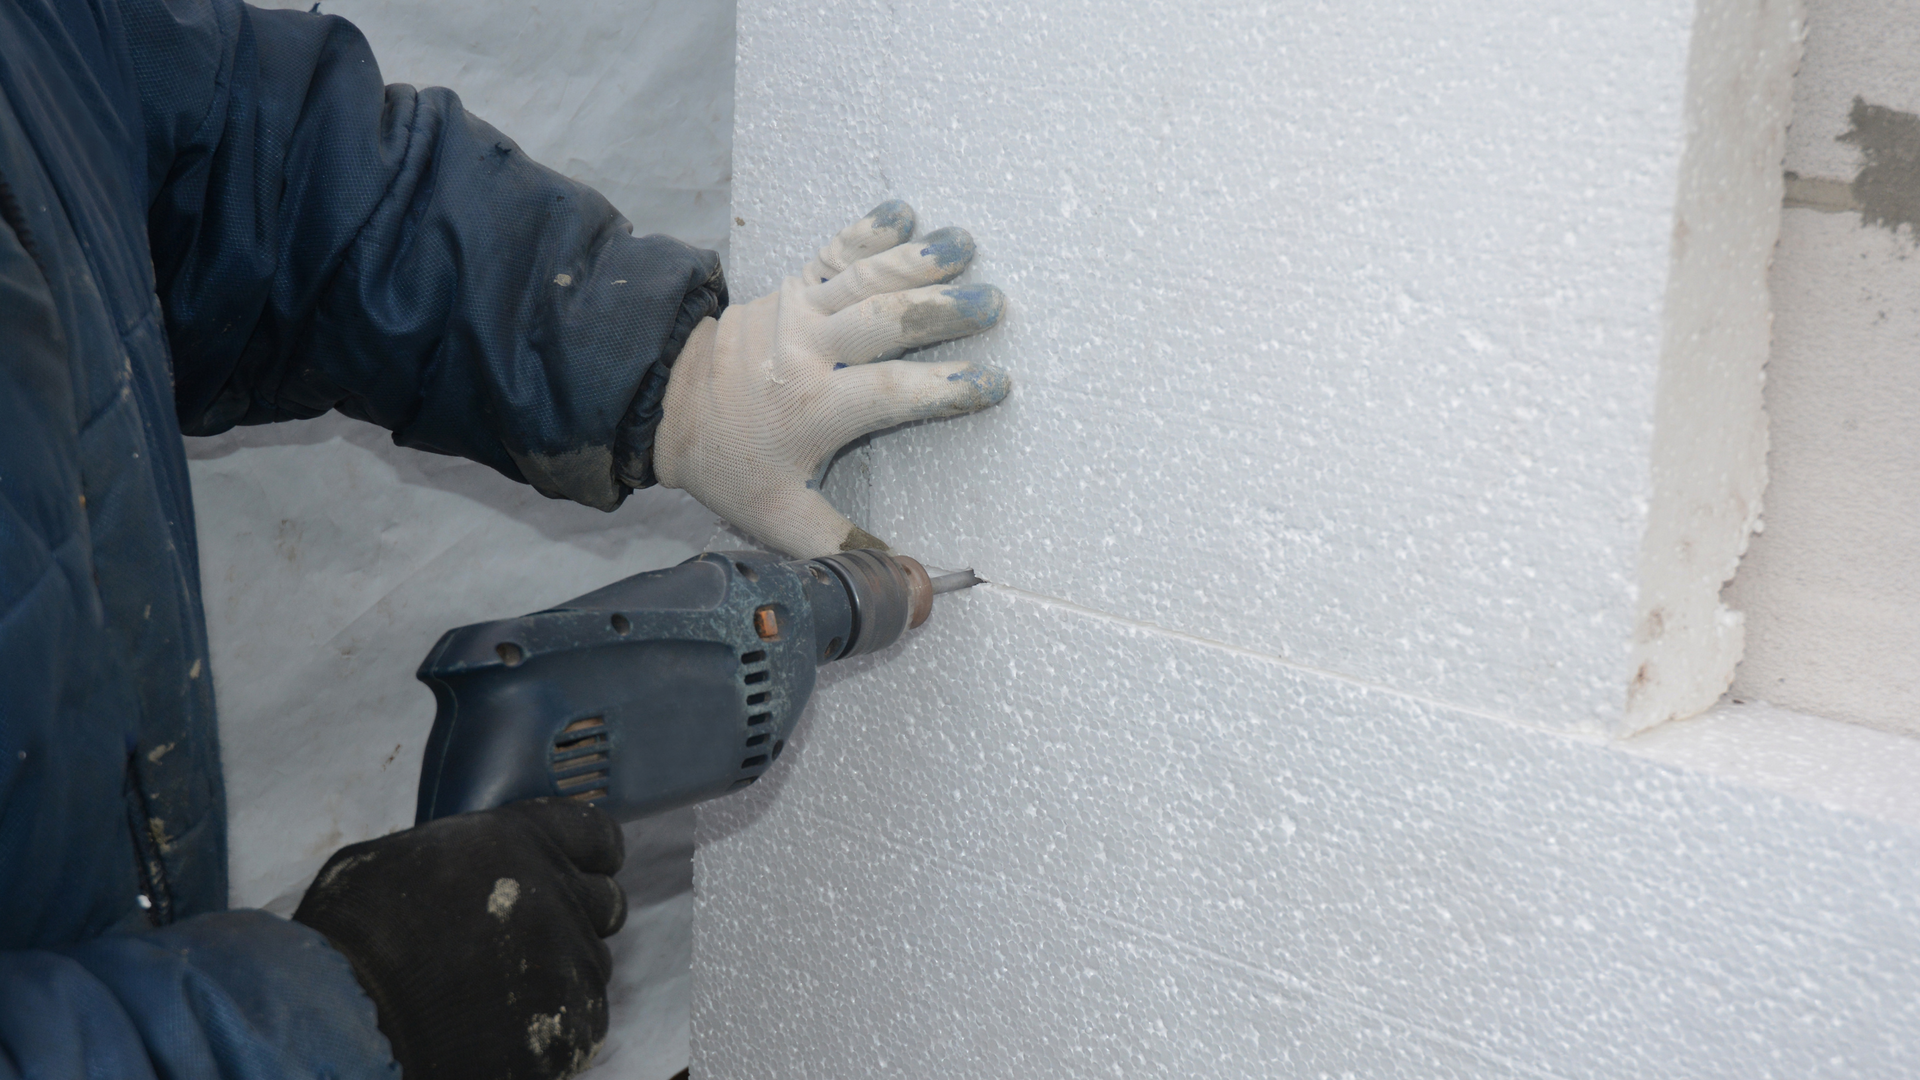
(1708,469)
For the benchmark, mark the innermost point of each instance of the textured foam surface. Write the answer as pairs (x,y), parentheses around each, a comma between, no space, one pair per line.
(1146,855)
(1710,427)
(1838,764)
(1352,316)
(1317,517)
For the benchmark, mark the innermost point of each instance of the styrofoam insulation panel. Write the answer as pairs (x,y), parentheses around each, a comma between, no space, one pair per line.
(1355,314)
(1319,510)
(1137,853)
(1836,763)
(1710,424)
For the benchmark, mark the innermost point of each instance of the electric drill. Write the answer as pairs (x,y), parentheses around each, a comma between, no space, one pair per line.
(660,690)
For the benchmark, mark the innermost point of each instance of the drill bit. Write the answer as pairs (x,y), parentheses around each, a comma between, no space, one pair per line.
(954,581)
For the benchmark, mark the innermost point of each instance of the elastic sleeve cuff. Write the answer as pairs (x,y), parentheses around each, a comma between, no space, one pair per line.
(633,438)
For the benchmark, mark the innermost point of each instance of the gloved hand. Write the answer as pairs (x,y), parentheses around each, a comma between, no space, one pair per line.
(760,400)
(478,937)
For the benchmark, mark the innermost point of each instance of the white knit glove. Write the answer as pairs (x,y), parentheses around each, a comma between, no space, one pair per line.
(760,400)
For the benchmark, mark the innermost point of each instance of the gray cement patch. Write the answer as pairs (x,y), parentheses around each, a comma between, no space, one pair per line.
(1887,187)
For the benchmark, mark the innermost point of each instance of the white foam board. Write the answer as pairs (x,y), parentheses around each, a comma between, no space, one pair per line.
(1835,763)
(1335,335)
(1708,465)
(1143,854)
(1318,522)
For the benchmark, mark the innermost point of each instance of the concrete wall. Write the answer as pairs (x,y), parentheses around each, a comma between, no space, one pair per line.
(1832,587)
(1317,523)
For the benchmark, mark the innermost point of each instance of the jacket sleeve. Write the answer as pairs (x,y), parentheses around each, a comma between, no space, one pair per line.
(322,241)
(237,995)
(242,995)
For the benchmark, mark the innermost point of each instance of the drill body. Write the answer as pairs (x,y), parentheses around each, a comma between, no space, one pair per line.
(658,691)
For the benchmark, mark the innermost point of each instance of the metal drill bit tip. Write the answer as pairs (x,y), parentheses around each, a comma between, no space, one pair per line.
(955,581)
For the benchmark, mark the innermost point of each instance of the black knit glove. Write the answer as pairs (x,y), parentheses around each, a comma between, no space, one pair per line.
(478,937)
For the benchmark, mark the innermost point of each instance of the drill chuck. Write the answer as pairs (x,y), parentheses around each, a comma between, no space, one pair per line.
(657,691)
(887,595)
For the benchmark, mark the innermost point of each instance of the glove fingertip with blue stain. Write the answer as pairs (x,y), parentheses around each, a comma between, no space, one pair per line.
(761,398)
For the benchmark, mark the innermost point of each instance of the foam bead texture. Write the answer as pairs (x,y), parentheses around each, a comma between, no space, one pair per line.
(1132,853)
(1313,351)
(1313,520)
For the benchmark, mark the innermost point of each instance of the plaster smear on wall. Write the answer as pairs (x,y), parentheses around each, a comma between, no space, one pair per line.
(1150,856)
(1316,521)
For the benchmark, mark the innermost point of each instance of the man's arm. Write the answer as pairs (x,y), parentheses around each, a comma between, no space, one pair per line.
(322,241)
(242,994)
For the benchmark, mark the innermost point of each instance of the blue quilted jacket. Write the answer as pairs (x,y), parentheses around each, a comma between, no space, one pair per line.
(214,215)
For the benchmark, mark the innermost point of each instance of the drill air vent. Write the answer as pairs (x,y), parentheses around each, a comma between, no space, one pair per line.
(753,681)
(579,760)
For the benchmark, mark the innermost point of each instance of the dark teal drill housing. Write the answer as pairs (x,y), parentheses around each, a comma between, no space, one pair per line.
(661,690)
